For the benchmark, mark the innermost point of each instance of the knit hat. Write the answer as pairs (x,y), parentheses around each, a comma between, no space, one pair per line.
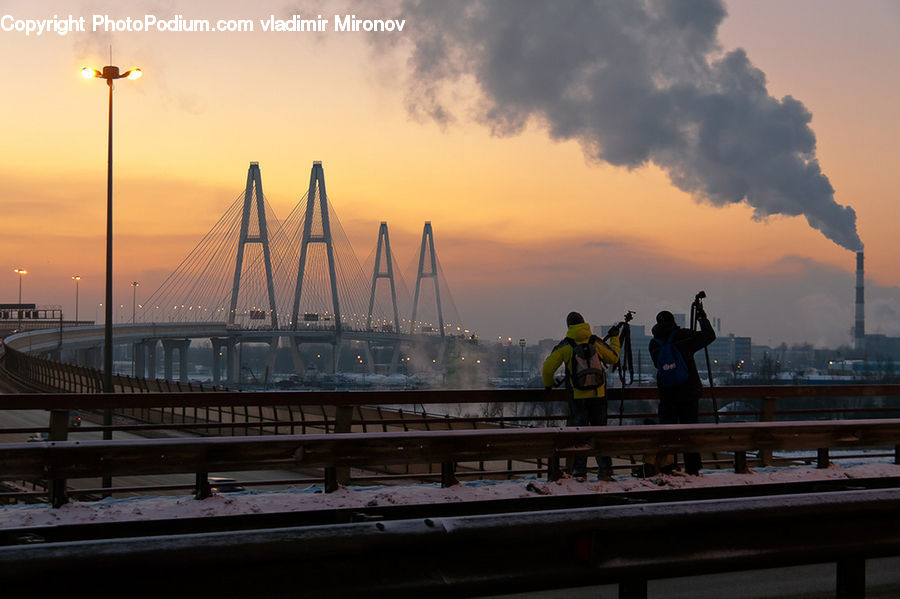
(574,318)
(665,319)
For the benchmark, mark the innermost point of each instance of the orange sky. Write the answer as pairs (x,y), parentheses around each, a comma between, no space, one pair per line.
(504,209)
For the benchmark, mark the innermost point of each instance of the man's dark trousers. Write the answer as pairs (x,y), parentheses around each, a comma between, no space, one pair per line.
(682,410)
(591,411)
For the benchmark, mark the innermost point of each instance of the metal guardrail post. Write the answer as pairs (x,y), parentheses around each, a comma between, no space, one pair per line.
(822,460)
(554,472)
(448,474)
(59,431)
(106,482)
(339,475)
(331,483)
(201,488)
(633,589)
(851,579)
(767,415)
(740,462)
(59,425)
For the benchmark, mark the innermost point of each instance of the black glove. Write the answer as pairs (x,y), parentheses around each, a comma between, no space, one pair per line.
(613,331)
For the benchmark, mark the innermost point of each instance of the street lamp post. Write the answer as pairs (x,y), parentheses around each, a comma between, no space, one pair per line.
(110,74)
(76,278)
(21,272)
(134,286)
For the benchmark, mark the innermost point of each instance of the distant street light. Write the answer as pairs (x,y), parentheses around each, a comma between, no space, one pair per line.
(522,362)
(110,74)
(134,286)
(21,272)
(76,278)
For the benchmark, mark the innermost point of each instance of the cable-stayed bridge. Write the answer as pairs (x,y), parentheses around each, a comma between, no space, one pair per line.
(254,271)
(256,279)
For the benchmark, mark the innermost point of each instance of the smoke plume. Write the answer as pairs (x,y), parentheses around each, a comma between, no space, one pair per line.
(633,82)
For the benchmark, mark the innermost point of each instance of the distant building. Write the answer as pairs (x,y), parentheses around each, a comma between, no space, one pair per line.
(29,317)
(758,352)
(882,346)
(545,346)
(731,353)
(798,357)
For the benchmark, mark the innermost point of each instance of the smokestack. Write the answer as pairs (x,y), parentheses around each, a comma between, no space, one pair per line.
(859,329)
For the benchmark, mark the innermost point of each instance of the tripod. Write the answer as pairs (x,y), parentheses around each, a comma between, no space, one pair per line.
(626,358)
(696,309)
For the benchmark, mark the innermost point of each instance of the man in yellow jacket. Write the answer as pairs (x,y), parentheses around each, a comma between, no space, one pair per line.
(583,355)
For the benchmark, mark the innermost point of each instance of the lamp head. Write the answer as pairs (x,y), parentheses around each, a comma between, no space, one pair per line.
(110,72)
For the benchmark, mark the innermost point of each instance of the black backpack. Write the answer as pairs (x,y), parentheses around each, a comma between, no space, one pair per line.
(586,369)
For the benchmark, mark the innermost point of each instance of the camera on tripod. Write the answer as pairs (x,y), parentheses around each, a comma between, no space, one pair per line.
(697,311)
(699,297)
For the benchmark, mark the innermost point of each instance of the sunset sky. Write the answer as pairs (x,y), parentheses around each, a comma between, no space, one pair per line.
(536,210)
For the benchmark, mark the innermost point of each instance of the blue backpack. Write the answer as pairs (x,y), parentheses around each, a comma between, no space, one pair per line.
(672,370)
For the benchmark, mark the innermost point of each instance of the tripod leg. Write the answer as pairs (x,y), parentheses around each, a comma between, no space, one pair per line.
(712,392)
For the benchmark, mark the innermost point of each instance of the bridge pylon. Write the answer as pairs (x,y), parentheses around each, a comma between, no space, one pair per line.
(427,270)
(384,269)
(383,252)
(318,198)
(258,234)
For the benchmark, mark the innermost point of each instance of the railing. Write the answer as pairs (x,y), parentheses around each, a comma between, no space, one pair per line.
(43,375)
(62,460)
(279,413)
(761,393)
(363,411)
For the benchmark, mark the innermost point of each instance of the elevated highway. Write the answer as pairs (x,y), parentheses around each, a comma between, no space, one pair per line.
(149,342)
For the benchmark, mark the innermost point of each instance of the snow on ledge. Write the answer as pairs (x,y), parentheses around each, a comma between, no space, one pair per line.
(293,500)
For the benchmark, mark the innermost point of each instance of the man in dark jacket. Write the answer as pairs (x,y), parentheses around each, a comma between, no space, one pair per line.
(680,404)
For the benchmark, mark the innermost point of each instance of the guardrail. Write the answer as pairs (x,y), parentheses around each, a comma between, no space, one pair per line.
(481,555)
(62,460)
(478,554)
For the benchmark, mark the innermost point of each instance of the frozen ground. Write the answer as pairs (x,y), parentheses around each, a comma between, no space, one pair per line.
(257,502)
